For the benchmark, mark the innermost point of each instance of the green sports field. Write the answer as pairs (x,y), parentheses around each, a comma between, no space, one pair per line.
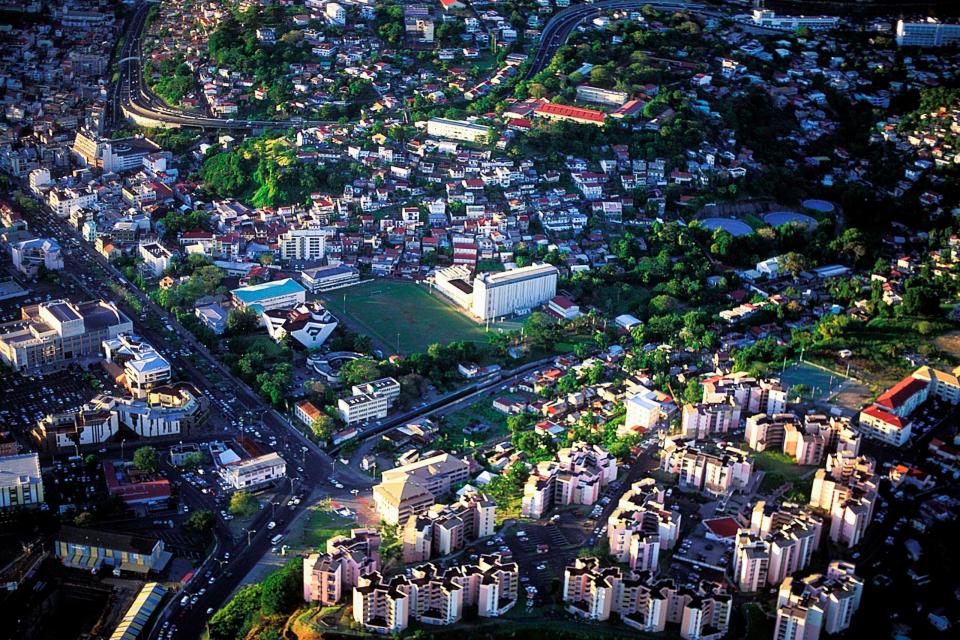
(384,308)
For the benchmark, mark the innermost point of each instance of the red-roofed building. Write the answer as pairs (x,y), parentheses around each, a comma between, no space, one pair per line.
(722,528)
(905,396)
(880,424)
(567,113)
(133,491)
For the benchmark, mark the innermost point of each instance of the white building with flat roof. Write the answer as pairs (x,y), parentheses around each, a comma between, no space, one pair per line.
(248,474)
(928,33)
(21,484)
(514,291)
(458,130)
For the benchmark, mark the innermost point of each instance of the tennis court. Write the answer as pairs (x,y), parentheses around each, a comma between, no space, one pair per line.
(820,383)
(405,313)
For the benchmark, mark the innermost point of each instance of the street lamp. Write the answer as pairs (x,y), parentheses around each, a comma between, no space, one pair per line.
(249,532)
(122,443)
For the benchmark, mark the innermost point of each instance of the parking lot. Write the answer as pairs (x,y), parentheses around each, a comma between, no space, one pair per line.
(58,391)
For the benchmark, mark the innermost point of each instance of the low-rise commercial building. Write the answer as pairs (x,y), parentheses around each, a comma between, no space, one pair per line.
(29,256)
(279,294)
(50,335)
(143,367)
(21,483)
(458,130)
(927,33)
(310,324)
(320,279)
(254,472)
(91,549)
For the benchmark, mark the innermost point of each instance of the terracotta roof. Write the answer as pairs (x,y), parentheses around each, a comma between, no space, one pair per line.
(884,416)
(574,113)
(898,394)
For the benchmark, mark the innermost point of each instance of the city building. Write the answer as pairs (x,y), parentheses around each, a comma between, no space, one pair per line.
(370,401)
(645,408)
(165,411)
(278,294)
(29,256)
(566,113)
(499,294)
(254,472)
(846,491)
(598,95)
(21,484)
(308,244)
(91,425)
(818,603)
(747,393)
(327,577)
(445,529)
(91,550)
(434,596)
(641,525)
(644,602)
(306,412)
(213,317)
(320,279)
(928,33)
(698,421)
(770,20)
(575,477)
(50,335)
(310,324)
(438,473)
(711,469)
(458,130)
(134,489)
(143,367)
(155,256)
(779,542)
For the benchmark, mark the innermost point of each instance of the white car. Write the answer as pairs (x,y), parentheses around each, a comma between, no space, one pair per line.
(271,525)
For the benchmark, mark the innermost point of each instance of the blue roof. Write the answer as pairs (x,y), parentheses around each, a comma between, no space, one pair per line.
(258,292)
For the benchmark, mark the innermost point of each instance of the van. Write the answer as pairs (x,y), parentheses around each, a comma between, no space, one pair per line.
(275,540)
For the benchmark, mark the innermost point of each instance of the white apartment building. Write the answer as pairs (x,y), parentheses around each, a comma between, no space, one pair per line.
(929,33)
(778,543)
(248,474)
(644,409)
(63,200)
(306,245)
(698,421)
(712,470)
(362,407)
(597,95)
(458,130)
(641,525)
(515,291)
(817,603)
(155,256)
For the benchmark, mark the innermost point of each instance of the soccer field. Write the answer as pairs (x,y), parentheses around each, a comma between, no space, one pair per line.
(385,308)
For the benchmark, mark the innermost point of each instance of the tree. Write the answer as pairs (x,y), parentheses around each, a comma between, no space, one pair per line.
(238,616)
(323,426)
(201,521)
(793,263)
(242,321)
(192,461)
(359,371)
(84,519)
(282,590)
(146,459)
(243,504)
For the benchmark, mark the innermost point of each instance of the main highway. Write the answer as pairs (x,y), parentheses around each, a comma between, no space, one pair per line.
(130,95)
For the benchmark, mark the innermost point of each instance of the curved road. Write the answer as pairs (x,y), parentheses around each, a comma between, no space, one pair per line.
(131,96)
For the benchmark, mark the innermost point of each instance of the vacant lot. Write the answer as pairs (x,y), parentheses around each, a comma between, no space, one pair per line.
(780,469)
(388,309)
(322,524)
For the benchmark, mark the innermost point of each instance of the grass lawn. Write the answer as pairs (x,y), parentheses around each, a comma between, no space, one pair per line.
(321,525)
(479,412)
(779,468)
(384,308)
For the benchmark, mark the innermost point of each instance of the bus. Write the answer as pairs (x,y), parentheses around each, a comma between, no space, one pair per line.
(275,540)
